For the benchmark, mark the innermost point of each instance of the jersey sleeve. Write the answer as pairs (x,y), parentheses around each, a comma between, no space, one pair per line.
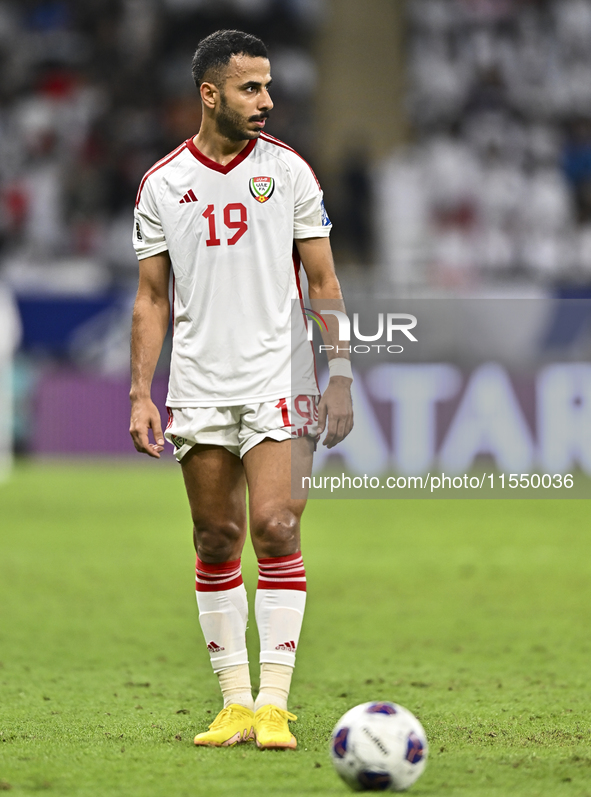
(148,235)
(310,217)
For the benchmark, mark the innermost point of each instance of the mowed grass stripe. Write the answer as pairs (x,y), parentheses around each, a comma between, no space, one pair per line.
(473,614)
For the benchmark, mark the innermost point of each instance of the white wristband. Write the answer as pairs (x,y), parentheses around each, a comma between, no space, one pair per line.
(340,366)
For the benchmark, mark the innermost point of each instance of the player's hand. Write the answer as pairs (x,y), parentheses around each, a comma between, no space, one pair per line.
(336,406)
(145,416)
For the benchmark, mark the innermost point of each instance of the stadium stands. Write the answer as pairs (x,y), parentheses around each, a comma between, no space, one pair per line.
(496,183)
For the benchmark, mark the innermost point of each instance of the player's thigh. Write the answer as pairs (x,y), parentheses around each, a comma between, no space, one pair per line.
(274,471)
(216,489)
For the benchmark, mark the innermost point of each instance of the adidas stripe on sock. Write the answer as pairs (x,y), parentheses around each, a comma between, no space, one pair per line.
(279,607)
(223,612)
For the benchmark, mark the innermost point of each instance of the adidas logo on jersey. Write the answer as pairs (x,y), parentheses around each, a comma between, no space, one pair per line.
(213,647)
(189,197)
(291,646)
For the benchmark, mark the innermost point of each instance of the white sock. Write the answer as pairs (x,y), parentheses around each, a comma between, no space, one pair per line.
(279,609)
(223,614)
(235,686)
(275,683)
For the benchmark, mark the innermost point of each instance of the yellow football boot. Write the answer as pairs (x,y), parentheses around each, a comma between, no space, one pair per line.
(271,730)
(233,725)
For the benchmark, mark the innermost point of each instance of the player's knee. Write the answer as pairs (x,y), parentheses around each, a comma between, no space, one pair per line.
(275,534)
(218,541)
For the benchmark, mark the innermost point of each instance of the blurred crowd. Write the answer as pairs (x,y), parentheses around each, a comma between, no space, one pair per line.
(497,182)
(92,94)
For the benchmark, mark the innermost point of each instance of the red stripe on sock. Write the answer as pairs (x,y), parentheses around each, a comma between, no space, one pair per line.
(282,572)
(217,577)
(217,567)
(199,587)
(280,560)
(299,585)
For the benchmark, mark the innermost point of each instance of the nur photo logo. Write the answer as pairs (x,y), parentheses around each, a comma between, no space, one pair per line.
(387,325)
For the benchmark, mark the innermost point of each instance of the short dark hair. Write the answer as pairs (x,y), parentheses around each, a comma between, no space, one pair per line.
(215,51)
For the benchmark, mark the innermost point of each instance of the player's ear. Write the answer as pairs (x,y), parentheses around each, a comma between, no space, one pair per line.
(209,94)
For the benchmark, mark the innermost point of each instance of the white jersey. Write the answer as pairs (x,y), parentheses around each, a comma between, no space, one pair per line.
(238,322)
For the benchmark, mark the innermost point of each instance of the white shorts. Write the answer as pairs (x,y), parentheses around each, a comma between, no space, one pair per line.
(240,428)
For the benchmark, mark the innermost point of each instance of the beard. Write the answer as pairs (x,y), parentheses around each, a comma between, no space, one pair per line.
(232,125)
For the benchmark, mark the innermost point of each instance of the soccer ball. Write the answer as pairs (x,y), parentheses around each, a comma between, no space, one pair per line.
(379,747)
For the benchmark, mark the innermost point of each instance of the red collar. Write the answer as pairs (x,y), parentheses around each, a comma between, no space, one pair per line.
(217,167)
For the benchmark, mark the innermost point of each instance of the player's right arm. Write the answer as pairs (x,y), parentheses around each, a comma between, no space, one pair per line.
(151,313)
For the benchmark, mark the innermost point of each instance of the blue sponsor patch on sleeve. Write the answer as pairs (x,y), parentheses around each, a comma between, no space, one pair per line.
(326,222)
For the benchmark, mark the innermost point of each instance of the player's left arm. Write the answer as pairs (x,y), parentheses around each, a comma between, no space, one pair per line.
(323,286)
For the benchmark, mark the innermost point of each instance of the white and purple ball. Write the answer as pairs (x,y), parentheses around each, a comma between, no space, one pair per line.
(379,746)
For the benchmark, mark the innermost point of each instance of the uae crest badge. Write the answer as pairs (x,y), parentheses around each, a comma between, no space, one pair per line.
(262,188)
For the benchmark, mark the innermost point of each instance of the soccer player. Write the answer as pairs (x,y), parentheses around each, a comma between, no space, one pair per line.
(224,210)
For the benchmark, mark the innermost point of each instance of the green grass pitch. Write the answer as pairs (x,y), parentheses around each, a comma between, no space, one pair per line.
(473,614)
